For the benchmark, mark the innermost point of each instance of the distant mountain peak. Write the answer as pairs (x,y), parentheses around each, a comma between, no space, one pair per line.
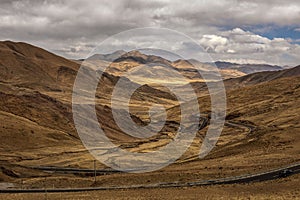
(108,57)
(139,57)
(247,68)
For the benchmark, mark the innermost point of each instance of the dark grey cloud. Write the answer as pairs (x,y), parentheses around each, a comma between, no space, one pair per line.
(73,27)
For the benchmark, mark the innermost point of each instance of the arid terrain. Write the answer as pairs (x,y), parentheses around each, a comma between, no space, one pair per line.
(261,131)
(287,188)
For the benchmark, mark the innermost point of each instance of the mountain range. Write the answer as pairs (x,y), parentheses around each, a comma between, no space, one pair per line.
(121,61)
(38,129)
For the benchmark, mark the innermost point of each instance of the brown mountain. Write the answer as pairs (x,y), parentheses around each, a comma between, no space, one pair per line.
(37,126)
(107,57)
(247,68)
(271,104)
(261,77)
(130,62)
(24,65)
(35,93)
(251,79)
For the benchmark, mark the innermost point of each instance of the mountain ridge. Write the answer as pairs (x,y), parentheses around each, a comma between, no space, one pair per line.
(185,66)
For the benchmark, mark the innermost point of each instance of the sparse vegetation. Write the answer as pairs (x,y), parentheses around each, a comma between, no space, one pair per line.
(38,130)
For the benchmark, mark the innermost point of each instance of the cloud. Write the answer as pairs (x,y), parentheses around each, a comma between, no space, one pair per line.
(232,12)
(245,61)
(237,44)
(73,28)
(214,42)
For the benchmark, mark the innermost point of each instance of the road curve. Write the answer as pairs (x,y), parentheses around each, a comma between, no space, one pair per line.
(269,175)
(249,128)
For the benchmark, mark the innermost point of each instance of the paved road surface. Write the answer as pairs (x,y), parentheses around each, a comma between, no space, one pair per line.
(269,175)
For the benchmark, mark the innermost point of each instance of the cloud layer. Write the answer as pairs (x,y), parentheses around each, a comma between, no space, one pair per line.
(73,28)
(240,45)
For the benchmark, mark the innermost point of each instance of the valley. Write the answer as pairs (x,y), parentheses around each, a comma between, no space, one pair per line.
(38,130)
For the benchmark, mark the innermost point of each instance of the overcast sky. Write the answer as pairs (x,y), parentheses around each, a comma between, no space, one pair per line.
(233,30)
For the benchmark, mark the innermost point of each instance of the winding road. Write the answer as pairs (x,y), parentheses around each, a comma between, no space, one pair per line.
(248,178)
(269,175)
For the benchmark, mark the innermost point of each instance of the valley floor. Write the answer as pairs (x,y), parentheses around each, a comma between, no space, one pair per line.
(285,188)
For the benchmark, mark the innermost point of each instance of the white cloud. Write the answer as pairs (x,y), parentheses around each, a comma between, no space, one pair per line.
(297,29)
(238,44)
(245,61)
(214,42)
